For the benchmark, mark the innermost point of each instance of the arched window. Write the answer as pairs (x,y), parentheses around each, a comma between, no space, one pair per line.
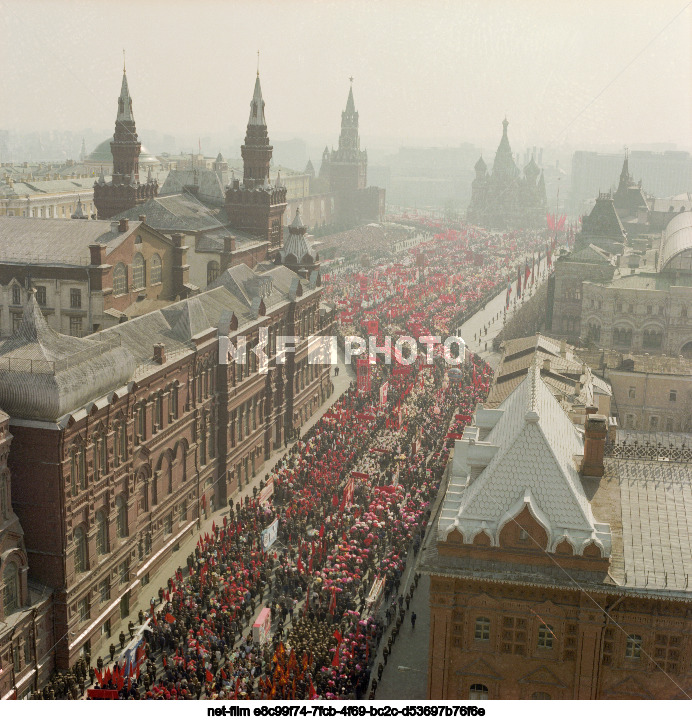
(120,279)
(482,630)
(101,533)
(121,518)
(100,456)
(10,581)
(594,332)
(478,691)
(138,272)
(212,271)
(155,269)
(78,469)
(80,551)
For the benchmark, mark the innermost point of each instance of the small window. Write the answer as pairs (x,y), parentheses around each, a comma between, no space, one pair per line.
(124,572)
(478,692)
(75,298)
(649,309)
(670,423)
(482,631)
(633,648)
(653,423)
(618,307)
(121,519)
(545,636)
(76,327)
(523,534)
(80,551)
(660,310)
(104,590)
(10,596)
(683,312)
(673,396)
(101,533)
(16,295)
(41,295)
(212,271)
(168,525)
(83,609)
(633,392)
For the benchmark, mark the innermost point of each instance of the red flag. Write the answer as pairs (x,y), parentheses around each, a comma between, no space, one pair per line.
(313,693)
(209,677)
(169,618)
(338,636)
(332,603)
(301,569)
(335,660)
(322,531)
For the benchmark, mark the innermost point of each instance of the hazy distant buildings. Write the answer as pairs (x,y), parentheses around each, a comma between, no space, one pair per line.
(662,174)
(503,198)
(345,172)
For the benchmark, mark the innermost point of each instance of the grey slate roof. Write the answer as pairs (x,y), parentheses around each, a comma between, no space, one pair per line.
(183,213)
(44,375)
(527,459)
(50,240)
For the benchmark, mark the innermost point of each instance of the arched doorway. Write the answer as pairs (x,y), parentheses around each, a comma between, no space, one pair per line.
(687,350)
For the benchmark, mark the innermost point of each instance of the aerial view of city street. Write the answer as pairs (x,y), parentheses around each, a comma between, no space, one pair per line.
(353,377)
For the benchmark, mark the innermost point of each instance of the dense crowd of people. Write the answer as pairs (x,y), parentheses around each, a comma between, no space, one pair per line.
(351,500)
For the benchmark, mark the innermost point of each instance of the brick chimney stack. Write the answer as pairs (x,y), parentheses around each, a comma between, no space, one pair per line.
(229,243)
(159,353)
(123,225)
(143,218)
(595,432)
(98,254)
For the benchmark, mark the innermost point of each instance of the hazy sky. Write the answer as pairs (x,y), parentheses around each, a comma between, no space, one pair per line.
(429,69)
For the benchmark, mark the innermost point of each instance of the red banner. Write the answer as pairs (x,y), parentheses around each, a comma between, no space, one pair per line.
(102,693)
(363,375)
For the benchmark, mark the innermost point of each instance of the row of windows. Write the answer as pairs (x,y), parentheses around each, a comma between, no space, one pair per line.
(655,423)
(672,394)
(139,273)
(41,296)
(545,633)
(58,211)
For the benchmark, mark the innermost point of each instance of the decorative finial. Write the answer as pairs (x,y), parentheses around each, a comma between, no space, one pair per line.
(123,60)
(258,52)
(351,79)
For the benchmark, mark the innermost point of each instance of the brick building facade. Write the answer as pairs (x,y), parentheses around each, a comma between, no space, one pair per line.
(560,569)
(88,274)
(123,440)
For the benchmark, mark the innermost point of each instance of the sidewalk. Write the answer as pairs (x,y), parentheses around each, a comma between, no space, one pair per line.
(187,546)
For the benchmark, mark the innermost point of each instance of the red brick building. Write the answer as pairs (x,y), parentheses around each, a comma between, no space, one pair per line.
(562,562)
(122,440)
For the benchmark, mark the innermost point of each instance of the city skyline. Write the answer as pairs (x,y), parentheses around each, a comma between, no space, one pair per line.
(445,71)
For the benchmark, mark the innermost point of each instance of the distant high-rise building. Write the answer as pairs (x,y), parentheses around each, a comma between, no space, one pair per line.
(124,191)
(502,198)
(255,205)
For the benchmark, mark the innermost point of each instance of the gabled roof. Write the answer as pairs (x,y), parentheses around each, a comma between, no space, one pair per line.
(527,459)
(183,213)
(590,254)
(57,241)
(603,220)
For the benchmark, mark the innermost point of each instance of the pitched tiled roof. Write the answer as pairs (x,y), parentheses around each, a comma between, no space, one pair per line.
(527,459)
(55,240)
(183,213)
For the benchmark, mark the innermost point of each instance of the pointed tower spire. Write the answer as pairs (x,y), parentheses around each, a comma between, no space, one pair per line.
(125,102)
(350,104)
(257,105)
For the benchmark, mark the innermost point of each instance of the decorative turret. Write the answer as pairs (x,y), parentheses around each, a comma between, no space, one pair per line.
(297,254)
(124,191)
(532,171)
(255,206)
(481,168)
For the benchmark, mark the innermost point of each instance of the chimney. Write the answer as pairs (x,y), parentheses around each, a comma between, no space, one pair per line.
(115,225)
(98,253)
(159,353)
(546,364)
(123,225)
(142,218)
(177,240)
(595,431)
(590,410)
(229,244)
